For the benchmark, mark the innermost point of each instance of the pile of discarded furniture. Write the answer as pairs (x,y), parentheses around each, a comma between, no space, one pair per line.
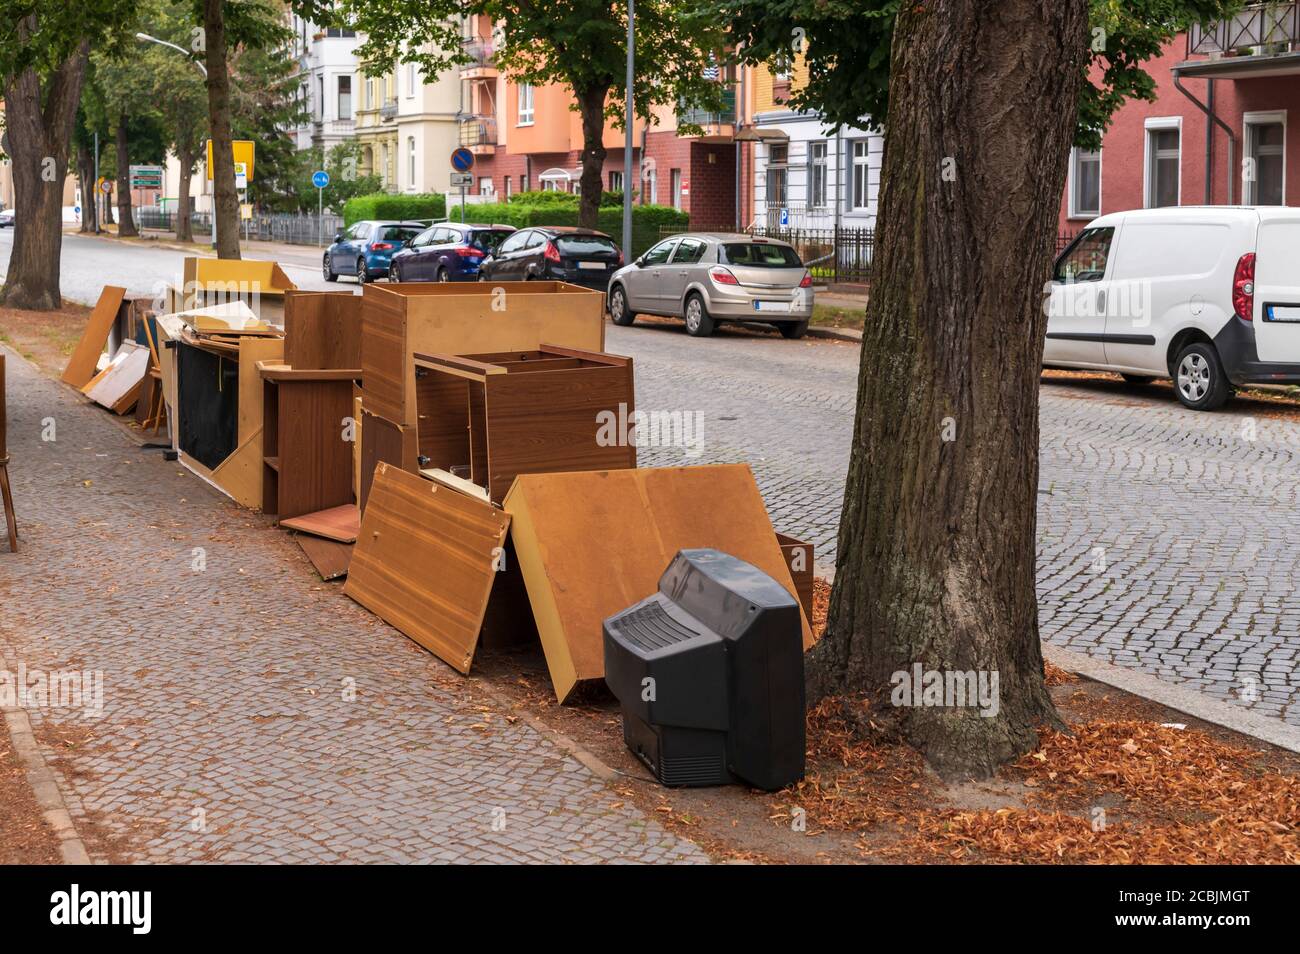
(440,446)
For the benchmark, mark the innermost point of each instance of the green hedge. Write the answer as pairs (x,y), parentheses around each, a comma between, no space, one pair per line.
(647,220)
(384,206)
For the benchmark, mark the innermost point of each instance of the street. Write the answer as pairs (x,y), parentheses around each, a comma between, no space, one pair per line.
(1166,535)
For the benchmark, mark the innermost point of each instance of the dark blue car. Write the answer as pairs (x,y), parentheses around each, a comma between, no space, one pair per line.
(366,248)
(447,252)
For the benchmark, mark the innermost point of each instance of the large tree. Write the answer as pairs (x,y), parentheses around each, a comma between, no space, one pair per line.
(581,44)
(937,536)
(43,53)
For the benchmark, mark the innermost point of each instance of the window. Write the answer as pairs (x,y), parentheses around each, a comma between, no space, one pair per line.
(659,254)
(506,181)
(534,240)
(410,79)
(1085,260)
(515,242)
(485,186)
(1263,172)
(759,255)
(320,97)
(616,182)
(777,175)
(410,160)
(689,251)
(335,34)
(817,175)
(675,177)
(860,170)
(1085,183)
(525,104)
(370,93)
(652,189)
(1163,159)
(424,238)
(345,97)
(523,183)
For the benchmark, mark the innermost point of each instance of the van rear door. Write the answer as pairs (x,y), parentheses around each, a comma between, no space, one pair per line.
(1277,288)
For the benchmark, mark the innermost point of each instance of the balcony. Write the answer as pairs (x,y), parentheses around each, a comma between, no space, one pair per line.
(388,111)
(480,52)
(719,125)
(1260,29)
(479,134)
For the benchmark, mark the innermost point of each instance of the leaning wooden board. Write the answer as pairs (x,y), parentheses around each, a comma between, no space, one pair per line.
(425,561)
(81,366)
(591,544)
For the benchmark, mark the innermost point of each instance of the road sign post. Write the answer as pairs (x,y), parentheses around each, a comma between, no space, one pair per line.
(320,179)
(462,161)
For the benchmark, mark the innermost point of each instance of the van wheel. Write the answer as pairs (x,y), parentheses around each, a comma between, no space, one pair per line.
(1137,380)
(619,313)
(793,329)
(1199,378)
(699,324)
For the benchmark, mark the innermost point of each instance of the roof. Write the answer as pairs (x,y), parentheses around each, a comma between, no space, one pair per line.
(1201,213)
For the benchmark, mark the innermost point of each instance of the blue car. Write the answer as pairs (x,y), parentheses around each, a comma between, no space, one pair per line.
(447,252)
(366,248)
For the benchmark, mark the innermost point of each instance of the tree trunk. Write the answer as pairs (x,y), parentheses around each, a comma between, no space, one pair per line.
(39,129)
(125,220)
(185,157)
(226,201)
(937,536)
(591,102)
(86,177)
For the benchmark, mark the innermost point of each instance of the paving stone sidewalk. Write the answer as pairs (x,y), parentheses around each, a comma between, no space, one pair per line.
(226,733)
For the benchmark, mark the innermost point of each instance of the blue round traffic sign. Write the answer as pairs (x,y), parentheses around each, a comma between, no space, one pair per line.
(462,160)
(320,178)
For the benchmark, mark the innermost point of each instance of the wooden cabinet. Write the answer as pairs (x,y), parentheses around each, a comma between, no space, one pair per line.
(306,439)
(482,419)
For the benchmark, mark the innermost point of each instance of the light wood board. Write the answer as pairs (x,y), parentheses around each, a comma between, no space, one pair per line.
(81,366)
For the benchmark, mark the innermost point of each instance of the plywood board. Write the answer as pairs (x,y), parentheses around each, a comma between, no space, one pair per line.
(251,351)
(322,329)
(425,561)
(591,544)
(329,557)
(113,386)
(85,357)
(340,524)
(240,474)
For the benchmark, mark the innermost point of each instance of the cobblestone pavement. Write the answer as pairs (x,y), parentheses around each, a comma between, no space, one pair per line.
(1194,514)
(224,688)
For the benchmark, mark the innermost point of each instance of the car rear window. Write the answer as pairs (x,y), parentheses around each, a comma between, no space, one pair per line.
(760,255)
(572,245)
(399,234)
(488,241)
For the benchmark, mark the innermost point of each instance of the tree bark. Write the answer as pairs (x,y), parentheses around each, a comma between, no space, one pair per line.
(125,220)
(86,177)
(185,158)
(937,536)
(226,200)
(39,128)
(591,103)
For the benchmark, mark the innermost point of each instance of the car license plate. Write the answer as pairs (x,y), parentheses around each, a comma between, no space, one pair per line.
(592,265)
(1290,314)
(772,306)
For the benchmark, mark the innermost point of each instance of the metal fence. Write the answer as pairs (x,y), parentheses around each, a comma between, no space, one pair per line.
(287,228)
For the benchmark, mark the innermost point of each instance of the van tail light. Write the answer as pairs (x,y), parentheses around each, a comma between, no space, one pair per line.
(807,280)
(382,246)
(1243,287)
(723,276)
(467,251)
(551,254)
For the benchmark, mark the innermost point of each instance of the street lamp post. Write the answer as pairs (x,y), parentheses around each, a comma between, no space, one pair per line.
(627,137)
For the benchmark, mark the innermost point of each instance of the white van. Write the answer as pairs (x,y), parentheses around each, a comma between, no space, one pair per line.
(1208,296)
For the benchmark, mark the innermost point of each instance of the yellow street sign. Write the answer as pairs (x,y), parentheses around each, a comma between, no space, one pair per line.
(243,150)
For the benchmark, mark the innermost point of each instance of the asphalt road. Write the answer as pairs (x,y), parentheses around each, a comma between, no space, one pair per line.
(1166,536)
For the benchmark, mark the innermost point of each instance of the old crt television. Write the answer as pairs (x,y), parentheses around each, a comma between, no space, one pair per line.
(709,674)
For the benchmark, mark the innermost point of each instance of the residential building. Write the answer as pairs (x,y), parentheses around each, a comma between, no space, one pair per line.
(328,78)
(376,127)
(804,173)
(1218,131)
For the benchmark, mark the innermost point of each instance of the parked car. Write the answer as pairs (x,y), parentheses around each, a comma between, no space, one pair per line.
(708,277)
(365,249)
(6,218)
(449,252)
(1208,296)
(563,253)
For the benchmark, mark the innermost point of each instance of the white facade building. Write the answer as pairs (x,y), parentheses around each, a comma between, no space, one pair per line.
(329,83)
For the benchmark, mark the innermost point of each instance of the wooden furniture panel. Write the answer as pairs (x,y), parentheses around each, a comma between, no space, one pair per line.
(81,366)
(799,558)
(425,562)
(383,442)
(322,329)
(591,544)
(308,461)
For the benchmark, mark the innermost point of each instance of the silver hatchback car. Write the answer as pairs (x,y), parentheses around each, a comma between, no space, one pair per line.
(709,277)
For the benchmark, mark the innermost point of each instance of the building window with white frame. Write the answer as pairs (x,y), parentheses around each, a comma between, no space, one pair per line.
(525,104)
(615,181)
(1164,159)
(1085,183)
(410,161)
(345,97)
(411,79)
(778,176)
(860,172)
(1263,173)
(675,184)
(817,175)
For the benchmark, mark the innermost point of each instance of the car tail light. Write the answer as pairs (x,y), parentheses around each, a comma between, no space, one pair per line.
(382,246)
(723,276)
(467,251)
(1243,287)
(551,254)
(807,280)
(620,258)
